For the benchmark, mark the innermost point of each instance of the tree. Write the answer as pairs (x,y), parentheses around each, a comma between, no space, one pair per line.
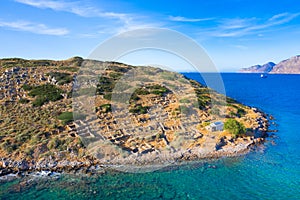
(234,127)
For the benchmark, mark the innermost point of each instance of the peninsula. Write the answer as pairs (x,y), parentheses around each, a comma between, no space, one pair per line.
(44,124)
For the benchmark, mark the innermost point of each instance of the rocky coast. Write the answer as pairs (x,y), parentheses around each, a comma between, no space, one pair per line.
(49,166)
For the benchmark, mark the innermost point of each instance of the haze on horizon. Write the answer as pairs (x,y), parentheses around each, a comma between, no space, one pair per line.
(234,33)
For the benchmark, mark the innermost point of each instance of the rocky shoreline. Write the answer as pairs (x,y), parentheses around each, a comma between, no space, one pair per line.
(49,167)
(10,168)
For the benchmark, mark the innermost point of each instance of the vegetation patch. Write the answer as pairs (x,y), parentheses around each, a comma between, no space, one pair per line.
(39,101)
(142,91)
(107,96)
(45,93)
(27,87)
(203,101)
(106,85)
(24,101)
(66,117)
(61,77)
(158,90)
(139,109)
(235,127)
(115,75)
(105,108)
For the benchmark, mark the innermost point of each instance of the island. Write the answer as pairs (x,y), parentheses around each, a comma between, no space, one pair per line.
(51,122)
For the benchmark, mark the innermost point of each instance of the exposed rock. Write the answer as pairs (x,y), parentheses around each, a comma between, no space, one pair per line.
(222,142)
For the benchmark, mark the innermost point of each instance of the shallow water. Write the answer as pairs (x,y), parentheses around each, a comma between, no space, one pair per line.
(270,173)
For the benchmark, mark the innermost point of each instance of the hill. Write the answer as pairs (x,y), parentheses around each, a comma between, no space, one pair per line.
(266,68)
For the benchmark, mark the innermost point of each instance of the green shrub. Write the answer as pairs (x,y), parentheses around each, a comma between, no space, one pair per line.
(52,92)
(203,101)
(105,108)
(230,100)
(39,101)
(139,109)
(105,85)
(241,112)
(134,97)
(45,93)
(158,90)
(26,87)
(234,127)
(200,91)
(107,96)
(142,91)
(116,75)
(23,101)
(232,114)
(61,77)
(66,117)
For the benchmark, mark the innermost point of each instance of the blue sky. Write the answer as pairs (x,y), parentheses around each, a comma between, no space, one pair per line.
(234,33)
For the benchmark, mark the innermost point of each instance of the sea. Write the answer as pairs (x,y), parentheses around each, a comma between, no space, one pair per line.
(271,172)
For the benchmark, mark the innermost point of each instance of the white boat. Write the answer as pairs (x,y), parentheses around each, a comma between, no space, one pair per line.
(263,76)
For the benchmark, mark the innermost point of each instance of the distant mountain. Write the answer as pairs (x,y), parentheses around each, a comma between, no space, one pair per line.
(289,66)
(266,68)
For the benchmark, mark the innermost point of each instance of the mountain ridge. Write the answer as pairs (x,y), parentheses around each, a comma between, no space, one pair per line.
(287,66)
(266,68)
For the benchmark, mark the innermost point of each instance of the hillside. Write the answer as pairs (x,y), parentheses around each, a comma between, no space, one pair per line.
(289,66)
(50,121)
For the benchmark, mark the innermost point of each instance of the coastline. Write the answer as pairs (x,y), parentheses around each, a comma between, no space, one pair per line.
(16,169)
(10,169)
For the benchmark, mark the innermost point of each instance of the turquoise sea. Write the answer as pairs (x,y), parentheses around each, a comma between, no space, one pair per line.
(269,173)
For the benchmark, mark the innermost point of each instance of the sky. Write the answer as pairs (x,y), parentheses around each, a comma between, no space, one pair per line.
(234,33)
